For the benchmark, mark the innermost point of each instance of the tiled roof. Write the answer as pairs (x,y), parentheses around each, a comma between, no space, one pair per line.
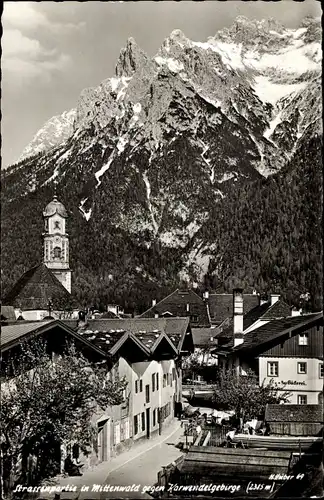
(107,332)
(278,310)
(10,333)
(202,337)
(294,413)
(35,288)
(256,313)
(103,339)
(221,305)
(8,313)
(176,305)
(264,312)
(248,319)
(275,329)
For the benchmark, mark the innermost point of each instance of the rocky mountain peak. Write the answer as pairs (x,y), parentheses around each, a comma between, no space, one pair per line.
(131,57)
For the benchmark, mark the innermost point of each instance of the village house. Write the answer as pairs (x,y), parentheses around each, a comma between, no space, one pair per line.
(266,310)
(287,351)
(45,289)
(147,352)
(54,334)
(220,306)
(181,303)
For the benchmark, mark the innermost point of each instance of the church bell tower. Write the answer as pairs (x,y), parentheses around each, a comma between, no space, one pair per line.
(56,242)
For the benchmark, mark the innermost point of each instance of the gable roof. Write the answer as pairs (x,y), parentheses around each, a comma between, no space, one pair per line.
(264,312)
(278,310)
(145,331)
(249,318)
(35,288)
(221,305)
(176,304)
(12,335)
(276,329)
(294,413)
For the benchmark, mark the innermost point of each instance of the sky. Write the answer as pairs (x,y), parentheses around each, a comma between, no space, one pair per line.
(51,51)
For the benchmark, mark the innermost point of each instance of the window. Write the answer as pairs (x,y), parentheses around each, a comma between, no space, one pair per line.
(164,379)
(57,225)
(147,393)
(173,374)
(302,399)
(153,382)
(136,424)
(303,339)
(321,370)
(302,368)
(154,417)
(157,381)
(141,385)
(57,252)
(143,421)
(194,318)
(136,386)
(273,370)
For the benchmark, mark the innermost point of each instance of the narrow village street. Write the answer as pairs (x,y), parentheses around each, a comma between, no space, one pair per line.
(143,469)
(139,466)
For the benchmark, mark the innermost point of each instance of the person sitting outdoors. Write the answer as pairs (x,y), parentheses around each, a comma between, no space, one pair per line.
(71,468)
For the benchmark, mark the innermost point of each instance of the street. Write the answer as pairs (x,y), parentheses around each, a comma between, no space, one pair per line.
(141,469)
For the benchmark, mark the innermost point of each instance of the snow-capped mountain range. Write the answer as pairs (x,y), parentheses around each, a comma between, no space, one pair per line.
(275,62)
(154,147)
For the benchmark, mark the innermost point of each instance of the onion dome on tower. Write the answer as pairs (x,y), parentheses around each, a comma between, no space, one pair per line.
(55,207)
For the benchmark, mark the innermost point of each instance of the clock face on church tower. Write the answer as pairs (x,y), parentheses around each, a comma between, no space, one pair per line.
(57,240)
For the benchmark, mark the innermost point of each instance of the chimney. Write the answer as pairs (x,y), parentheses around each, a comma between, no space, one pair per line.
(156,315)
(153,302)
(274,297)
(206,295)
(188,307)
(238,316)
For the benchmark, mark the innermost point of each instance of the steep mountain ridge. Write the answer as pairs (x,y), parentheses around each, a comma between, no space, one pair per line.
(54,132)
(156,148)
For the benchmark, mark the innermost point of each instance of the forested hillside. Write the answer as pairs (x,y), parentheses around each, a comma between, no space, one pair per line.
(269,235)
(266,235)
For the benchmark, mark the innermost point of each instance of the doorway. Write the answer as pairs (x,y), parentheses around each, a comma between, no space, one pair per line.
(103,440)
(148,423)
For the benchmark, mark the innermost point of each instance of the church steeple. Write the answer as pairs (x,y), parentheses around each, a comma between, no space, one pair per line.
(56,242)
